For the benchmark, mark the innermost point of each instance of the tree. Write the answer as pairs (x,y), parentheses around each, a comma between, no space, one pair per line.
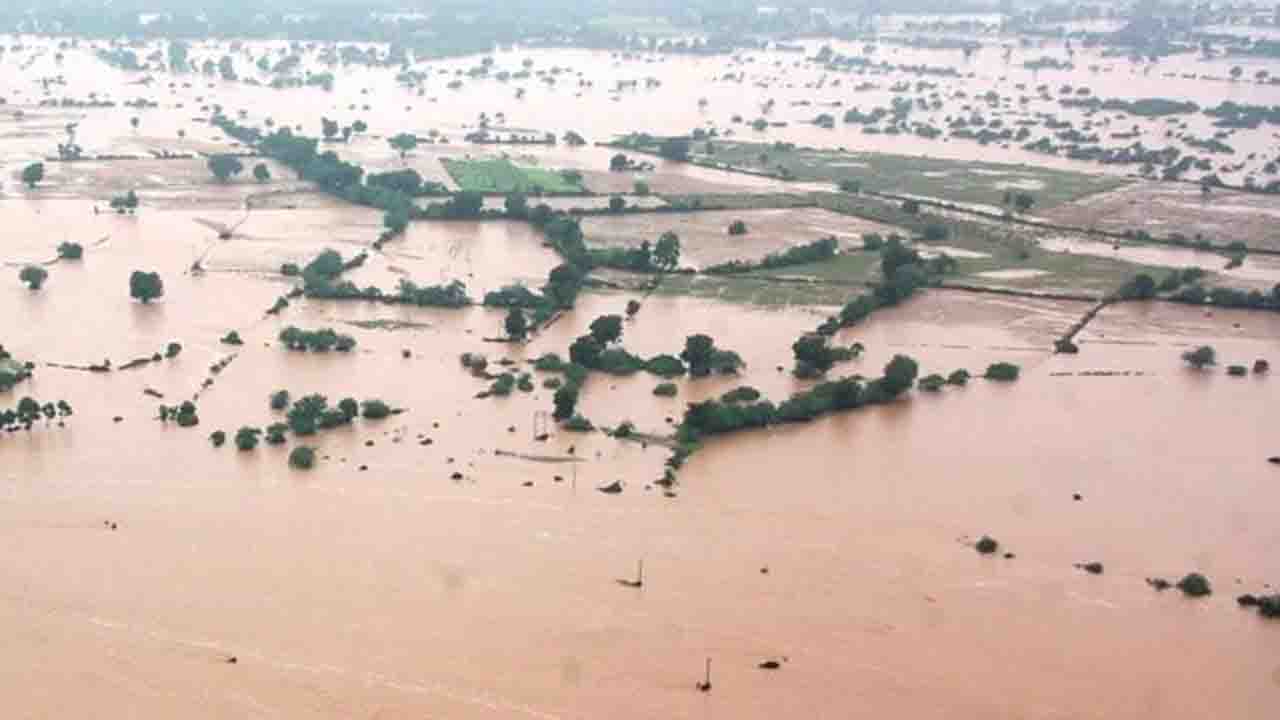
(127,202)
(33,275)
(633,307)
(375,409)
(404,143)
(666,254)
(517,205)
(675,149)
(573,139)
(1236,72)
(516,324)
(224,167)
(585,351)
(641,188)
(329,128)
(302,458)
(617,204)
(813,355)
(145,286)
(247,438)
(1201,357)
(1023,201)
(606,329)
(261,173)
(899,375)
(565,400)
(33,174)
(70,251)
(911,207)
(737,227)
(619,162)
(699,351)
(1141,287)
(359,126)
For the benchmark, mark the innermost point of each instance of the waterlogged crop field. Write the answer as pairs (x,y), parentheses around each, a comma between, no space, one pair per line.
(973,182)
(503,176)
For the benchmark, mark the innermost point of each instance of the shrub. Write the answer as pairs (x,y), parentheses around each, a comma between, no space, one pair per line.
(1261,366)
(70,251)
(959,377)
(931,383)
(218,438)
(231,338)
(280,400)
(33,275)
(578,423)
(1201,357)
(666,389)
(1237,370)
(743,394)
(1002,371)
(503,385)
(247,438)
(1195,585)
(172,350)
(986,545)
(665,366)
(550,362)
(276,433)
(737,227)
(374,410)
(302,458)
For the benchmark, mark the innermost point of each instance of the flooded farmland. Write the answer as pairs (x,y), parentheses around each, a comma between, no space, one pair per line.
(596,534)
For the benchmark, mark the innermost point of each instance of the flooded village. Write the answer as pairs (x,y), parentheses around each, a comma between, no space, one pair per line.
(642,360)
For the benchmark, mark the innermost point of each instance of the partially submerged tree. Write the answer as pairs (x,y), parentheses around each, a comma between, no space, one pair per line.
(145,286)
(1201,357)
(224,167)
(33,174)
(33,275)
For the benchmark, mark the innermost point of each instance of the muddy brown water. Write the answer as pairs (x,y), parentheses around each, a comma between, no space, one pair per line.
(399,592)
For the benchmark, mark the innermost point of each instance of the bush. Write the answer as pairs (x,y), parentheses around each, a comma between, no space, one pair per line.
(247,438)
(302,458)
(578,423)
(665,366)
(70,251)
(33,275)
(931,383)
(666,389)
(1002,371)
(1195,585)
(550,362)
(231,338)
(172,350)
(218,438)
(374,410)
(276,433)
(503,386)
(959,377)
(280,400)
(1201,357)
(737,227)
(743,394)
(1237,370)
(986,545)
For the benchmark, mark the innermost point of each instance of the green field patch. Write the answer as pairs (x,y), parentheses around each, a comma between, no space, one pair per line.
(958,181)
(500,175)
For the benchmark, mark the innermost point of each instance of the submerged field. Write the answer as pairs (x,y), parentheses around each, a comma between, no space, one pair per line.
(456,559)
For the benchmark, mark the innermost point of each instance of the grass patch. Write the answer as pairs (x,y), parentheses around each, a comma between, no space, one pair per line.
(949,180)
(503,176)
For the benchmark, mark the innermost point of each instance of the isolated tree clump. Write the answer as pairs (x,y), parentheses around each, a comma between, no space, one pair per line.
(33,174)
(33,275)
(1201,357)
(224,167)
(145,286)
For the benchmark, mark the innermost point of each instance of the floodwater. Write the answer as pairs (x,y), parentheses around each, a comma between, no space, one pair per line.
(397,591)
